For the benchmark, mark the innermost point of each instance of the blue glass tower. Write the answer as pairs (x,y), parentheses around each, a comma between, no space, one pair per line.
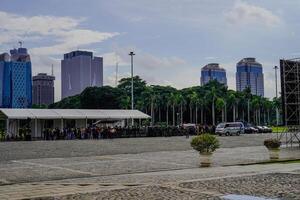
(15,79)
(213,71)
(250,74)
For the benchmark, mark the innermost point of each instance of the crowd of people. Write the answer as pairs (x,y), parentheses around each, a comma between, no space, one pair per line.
(107,132)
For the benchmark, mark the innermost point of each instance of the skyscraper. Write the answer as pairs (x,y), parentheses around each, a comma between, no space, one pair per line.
(16,80)
(43,89)
(249,73)
(79,69)
(213,71)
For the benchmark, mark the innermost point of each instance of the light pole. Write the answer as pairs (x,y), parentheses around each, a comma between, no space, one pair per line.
(132,54)
(276,68)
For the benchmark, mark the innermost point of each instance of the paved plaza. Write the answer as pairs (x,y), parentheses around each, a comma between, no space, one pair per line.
(144,168)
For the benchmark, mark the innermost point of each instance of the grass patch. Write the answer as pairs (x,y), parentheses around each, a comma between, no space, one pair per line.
(279,129)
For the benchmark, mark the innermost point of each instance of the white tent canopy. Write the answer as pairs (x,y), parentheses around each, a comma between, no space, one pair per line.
(6,113)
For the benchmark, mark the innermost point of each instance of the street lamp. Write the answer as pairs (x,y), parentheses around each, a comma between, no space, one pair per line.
(276,68)
(132,54)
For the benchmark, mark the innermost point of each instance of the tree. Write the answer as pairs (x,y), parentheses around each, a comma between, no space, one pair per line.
(105,97)
(181,102)
(173,101)
(139,86)
(231,100)
(248,95)
(220,104)
(72,102)
(125,102)
(212,94)
(255,104)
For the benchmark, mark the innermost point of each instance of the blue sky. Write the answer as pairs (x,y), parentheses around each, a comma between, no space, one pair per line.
(172,39)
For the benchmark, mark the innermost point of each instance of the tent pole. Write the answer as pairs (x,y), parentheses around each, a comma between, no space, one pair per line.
(7,126)
(35,128)
(62,124)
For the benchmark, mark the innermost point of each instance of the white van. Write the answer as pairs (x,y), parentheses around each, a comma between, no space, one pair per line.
(230,128)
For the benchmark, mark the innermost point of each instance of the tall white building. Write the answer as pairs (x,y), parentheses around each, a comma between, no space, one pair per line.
(79,70)
(250,74)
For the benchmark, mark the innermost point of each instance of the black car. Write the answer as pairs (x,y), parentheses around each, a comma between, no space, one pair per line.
(250,129)
(260,129)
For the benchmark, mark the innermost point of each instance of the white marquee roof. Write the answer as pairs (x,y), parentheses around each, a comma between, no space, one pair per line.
(12,113)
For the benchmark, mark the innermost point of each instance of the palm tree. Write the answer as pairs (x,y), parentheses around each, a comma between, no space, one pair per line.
(194,102)
(255,103)
(173,102)
(248,95)
(180,101)
(220,104)
(231,99)
(202,103)
(213,95)
(149,96)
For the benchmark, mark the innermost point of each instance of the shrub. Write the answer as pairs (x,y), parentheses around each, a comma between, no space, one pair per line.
(205,143)
(272,143)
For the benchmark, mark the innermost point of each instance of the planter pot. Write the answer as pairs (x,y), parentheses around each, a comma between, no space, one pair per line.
(274,154)
(205,159)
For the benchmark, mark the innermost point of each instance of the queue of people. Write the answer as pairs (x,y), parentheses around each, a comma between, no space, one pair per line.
(109,132)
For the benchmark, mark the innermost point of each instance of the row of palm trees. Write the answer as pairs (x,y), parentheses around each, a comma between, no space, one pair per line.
(210,104)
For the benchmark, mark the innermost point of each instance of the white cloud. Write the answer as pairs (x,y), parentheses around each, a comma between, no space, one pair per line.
(57,35)
(73,39)
(244,13)
(63,32)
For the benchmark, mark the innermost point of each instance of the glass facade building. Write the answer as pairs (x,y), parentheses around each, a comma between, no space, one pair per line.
(249,73)
(43,89)
(213,71)
(15,79)
(79,70)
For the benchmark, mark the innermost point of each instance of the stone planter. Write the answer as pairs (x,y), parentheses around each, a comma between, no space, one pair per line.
(205,159)
(274,154)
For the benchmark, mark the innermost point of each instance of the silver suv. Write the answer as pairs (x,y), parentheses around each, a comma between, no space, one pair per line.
(230,128)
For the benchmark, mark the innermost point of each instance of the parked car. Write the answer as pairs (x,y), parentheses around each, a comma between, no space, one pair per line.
(230,128)
(220,128)
(267,129)
(250,129)
(260,129)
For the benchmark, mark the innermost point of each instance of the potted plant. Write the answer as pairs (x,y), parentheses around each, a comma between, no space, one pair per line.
(205,144)
(273,145)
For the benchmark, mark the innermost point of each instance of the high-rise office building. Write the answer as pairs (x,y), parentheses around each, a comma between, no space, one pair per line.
(249,73)
(43,89)
(79,69)
(213,71)
(15,79)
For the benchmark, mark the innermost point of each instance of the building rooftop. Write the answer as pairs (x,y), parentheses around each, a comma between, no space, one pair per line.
(249,60)
(77,53)
(212,66)
(43,76)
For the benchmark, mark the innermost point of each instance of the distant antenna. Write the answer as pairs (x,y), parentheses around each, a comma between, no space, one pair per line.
(117,70)
(52,71)
(20,43)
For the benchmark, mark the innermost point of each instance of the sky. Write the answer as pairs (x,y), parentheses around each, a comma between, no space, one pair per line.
(172,39)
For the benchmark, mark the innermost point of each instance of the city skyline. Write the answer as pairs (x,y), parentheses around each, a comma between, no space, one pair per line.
(166,36)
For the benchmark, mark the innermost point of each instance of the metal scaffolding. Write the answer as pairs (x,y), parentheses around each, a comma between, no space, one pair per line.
(290,93)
